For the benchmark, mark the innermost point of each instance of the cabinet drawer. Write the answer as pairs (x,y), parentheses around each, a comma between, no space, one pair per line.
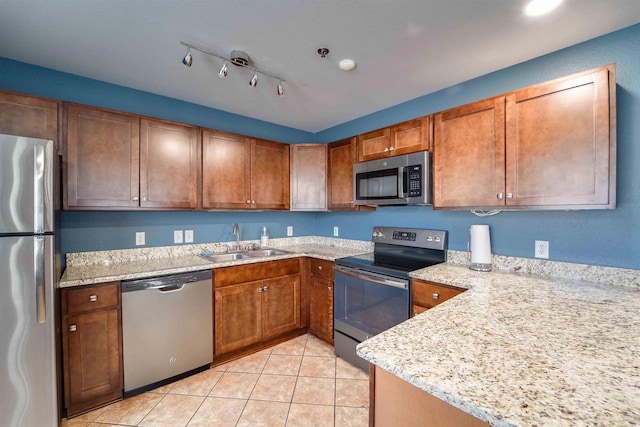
(427,294)
(322,268)
(90,298)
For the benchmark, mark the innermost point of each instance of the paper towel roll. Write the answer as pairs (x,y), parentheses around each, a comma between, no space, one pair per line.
(480,244)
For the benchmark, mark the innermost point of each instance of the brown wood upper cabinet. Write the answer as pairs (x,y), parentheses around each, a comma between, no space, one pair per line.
(243,173)
(341,157)
(407,137)
(548,146)
(308,177)
(26,115)
(117,160)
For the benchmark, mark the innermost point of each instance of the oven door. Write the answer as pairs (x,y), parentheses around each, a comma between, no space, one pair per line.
(367,303)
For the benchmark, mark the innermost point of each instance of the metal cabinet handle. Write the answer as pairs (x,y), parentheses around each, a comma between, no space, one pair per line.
(386,149)
(499,196)
(248,201)
(391,148)
(144,199)
(265,288)
(319,267)
(253,202)
(436,296)
(72,328)
(259,289)
(93,298)
(509,195)
(329,288)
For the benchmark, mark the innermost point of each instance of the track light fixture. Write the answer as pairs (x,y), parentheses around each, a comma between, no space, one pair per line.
(239,58)
(188,59)
(223,71)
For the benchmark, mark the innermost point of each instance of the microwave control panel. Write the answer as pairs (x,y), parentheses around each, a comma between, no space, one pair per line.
(414,180)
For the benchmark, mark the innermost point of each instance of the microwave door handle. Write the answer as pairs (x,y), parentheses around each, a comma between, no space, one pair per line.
(402,182)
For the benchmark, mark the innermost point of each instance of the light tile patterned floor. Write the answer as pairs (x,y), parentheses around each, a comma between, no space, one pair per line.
(296,383)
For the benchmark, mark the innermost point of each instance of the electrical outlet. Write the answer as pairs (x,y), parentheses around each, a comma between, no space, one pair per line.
(542,249)
(336,231)
(177,236)
(289,230)
(139,238)
(188,236)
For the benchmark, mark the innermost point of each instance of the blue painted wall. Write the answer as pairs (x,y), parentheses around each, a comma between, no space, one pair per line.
(597,237)
(609,238)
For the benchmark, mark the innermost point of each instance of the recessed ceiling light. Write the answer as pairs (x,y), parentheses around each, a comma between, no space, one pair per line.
(540,7)
(347,64)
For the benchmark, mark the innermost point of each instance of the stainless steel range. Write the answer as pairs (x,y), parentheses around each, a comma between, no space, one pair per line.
(373,291)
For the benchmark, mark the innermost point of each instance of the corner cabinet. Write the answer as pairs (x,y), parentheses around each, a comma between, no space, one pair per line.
(548,146)
(116,160)
(243,173)
(321,299)
(91,346)
(254,303)
(407,137)
(426,295)
(308,177)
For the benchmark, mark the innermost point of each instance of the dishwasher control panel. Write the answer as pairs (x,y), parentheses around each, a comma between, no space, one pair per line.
(164,281)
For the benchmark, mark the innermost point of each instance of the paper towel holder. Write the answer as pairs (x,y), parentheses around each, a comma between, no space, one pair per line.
(479,248)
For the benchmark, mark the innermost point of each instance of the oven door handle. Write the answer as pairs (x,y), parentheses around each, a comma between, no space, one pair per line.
(372,278)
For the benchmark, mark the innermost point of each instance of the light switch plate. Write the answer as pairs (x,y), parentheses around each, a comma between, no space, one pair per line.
(139,238)
(177,236)
(188,236)
(289,230)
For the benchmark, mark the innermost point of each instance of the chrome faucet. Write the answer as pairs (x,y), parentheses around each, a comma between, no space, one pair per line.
(236,231)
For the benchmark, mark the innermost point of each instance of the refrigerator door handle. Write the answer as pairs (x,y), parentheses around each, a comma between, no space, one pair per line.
(39,276)
(38,188)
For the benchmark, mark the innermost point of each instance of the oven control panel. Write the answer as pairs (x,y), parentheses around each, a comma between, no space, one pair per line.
(415,237)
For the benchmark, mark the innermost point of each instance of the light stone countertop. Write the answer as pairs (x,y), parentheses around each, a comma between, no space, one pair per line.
(115,265)
(522,350)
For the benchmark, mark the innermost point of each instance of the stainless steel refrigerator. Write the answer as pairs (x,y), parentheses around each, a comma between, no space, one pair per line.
(28,319)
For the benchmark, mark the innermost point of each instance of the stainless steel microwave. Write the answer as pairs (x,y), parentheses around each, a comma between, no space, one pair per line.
(399,180)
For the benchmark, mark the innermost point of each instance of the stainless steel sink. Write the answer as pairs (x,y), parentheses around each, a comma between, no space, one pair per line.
(225,257)
(267,252)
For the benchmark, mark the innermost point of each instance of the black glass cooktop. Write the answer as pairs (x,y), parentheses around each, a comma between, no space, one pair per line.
(394,260)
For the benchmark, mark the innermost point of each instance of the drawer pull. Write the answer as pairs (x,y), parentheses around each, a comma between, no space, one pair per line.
(265,289)
(329,288)
(499,196)
(135,199)
(72,328)
(319,267)
(93,298)
(248,201)
(259,289)
(436,296)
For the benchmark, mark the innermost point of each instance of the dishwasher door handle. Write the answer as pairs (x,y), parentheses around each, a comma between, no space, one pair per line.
(169,289)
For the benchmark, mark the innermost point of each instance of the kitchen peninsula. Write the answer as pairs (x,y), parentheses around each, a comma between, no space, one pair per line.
(519,350)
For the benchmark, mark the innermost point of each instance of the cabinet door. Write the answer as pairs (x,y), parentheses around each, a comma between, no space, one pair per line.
(410,136)
(269,175)
(308,177)
(238,317)
(226,170)
(558,143)
(321,308)
(25,115)
(342,156)
(374,145)
(469,150)
(168,165)
(93,350)
(280,305)
(102,164)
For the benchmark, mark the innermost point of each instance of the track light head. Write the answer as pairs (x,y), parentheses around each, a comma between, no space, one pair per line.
(280,89)
(223,71)
(188,59)
(254,81)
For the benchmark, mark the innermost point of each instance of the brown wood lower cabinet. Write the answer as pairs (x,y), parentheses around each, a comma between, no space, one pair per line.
(321,299)
(249,312)
(426,295)
(92,346)
(395,402)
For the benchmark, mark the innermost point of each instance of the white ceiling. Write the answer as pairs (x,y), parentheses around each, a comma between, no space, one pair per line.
(403,48)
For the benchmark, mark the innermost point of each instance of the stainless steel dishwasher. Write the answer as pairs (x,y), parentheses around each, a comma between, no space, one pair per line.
(167,330)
